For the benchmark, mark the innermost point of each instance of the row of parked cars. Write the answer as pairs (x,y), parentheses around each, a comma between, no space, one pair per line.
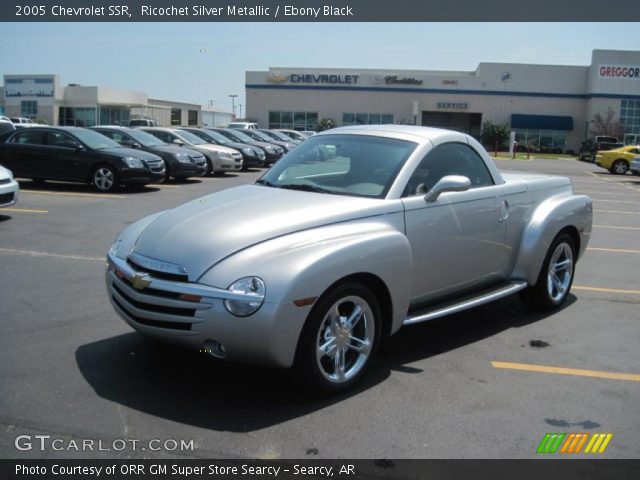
(109,156)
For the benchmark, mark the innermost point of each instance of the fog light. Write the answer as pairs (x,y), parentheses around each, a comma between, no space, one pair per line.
(214,348)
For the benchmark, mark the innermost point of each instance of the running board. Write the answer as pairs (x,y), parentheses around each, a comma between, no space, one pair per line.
(466,303)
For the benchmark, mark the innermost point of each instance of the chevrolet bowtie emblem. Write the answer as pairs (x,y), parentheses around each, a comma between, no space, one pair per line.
(140,281)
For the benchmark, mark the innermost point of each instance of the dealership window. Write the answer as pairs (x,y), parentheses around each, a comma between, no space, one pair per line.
(176,116)
(630,116)
(193,117)
(114,116)
(293,120)
(366,118)
(77,116)
(544,141)
(29,109)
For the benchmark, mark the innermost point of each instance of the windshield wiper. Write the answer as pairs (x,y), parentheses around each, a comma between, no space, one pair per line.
(262,181)
(305,187)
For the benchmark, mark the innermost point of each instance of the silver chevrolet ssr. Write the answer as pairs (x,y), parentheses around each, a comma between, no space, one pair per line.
(354,234)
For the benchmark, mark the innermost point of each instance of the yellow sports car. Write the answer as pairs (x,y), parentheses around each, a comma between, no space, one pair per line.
(617,161)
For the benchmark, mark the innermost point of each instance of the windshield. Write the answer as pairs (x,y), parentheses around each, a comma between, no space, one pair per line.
(356,165)
(277,135)
(259,136)
(94,140)
(190,137)
(145,139)
(294,135)
(236,136)
(218,137)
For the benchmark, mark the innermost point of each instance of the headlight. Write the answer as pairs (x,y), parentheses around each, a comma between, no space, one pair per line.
(117,251)
(183,158)
(247,151)
(252,286)
(224,156)
(270,149)
(133,162)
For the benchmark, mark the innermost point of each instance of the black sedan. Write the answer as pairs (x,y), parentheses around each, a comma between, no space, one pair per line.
(180,162)
(272,152)
(252,156)
(78,155)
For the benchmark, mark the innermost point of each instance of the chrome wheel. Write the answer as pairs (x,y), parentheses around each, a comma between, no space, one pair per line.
(104,179)
(620,167)
(560,272)
(345,339)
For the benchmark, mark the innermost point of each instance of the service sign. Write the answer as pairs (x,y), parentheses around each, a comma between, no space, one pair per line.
(619,71)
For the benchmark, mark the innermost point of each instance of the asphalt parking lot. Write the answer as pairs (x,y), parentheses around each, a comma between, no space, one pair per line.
(486,383)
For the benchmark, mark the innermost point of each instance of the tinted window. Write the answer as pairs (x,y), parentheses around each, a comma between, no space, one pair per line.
(164,136)
(448,159)
(60,140)
(28,137)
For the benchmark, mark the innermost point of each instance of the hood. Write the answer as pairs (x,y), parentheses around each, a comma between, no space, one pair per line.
(257,143)
(211,147)
(201,233)
(172,149)
(131,152)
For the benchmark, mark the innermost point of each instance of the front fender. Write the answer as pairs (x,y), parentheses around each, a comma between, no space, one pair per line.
(548,219)
(304,264)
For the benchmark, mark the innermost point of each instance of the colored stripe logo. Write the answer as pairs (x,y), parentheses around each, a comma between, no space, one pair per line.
(560,442)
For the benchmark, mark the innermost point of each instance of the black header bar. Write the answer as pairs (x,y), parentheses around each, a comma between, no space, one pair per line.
(317,11)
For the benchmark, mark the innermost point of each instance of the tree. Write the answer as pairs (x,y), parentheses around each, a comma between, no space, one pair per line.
(325,124)
(494,135)
(606,124)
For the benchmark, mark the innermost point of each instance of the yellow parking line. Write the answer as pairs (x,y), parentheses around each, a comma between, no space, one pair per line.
(33,253)
(69,194)
(162,185)
(631,377)
(613,250)
(616,211)
(605,290)
(614,226)
(22,210)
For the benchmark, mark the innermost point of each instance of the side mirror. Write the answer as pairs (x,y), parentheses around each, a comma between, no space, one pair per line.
(130,144)
(179,142)
(80,147)
(450,183)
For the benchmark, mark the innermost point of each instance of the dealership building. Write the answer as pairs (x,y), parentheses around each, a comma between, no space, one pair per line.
(42,98)
(550,107)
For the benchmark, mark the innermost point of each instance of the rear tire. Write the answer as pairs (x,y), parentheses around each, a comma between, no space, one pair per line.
(556,276)
(339,339)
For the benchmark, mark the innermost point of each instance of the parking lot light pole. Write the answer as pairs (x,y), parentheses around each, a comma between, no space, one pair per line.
(233,104)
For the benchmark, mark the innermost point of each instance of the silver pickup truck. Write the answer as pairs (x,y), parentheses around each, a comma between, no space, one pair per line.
(351,236)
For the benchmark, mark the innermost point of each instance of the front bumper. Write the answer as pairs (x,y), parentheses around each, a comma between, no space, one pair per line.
(9,189)
(184,170)
(268,337)
(150,174)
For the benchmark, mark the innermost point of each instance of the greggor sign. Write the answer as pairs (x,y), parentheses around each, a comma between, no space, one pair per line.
(619,71)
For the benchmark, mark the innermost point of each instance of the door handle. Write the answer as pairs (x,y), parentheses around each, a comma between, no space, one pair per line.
(504,211)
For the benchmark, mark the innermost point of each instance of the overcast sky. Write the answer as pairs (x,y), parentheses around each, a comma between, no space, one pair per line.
(199,62)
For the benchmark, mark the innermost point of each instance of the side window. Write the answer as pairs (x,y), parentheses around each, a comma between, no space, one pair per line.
(61,140)
(448,159)
(160,135)
(108,133)
(28,138)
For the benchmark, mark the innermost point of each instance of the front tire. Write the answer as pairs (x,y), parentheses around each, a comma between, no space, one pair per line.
(619,167)
(556,277)
(339,339)
(105,178)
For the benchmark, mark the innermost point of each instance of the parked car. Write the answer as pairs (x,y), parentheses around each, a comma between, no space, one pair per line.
(403,225)
(272,152)
(219,159)
(635,166)
(22,121)
(243,125)
(9,188)
(261,137)
(251,156)
(6,129)
(142,122)
(179,162)
(78,155)
(308,133)
(293,134)
(618,160)
(591,146)
(280,136)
